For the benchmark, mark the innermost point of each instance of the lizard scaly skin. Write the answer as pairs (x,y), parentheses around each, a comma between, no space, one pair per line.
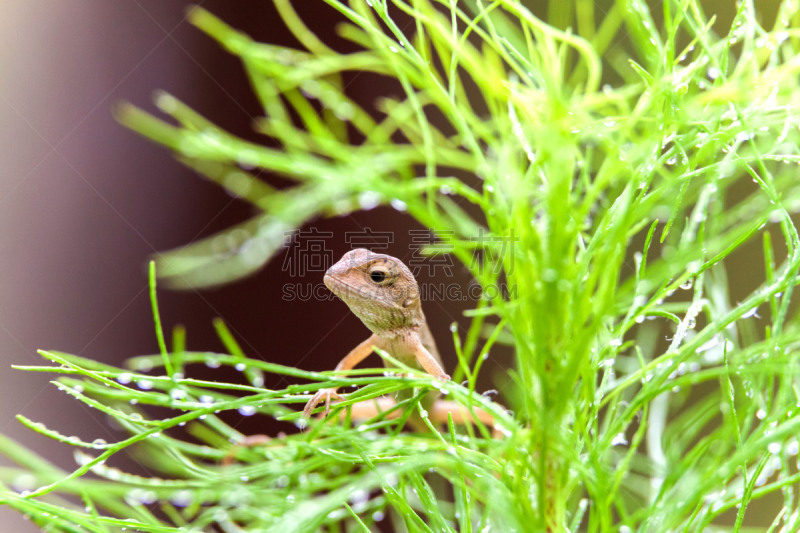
(382,292)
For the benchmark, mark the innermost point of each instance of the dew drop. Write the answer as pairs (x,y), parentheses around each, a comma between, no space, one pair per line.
(177,394)
(139,496)
(619,439)
(398,204)
(359,496)
(247,410)
(369,200)
(751,313)
(182,498)
(792,447)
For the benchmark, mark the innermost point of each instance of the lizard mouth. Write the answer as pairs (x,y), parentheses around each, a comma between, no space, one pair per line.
(341,288)
(331,283)
(335,285)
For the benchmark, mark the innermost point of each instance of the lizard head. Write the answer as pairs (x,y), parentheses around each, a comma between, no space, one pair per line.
(378,288)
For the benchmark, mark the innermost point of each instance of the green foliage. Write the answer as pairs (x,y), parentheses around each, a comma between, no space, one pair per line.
(612,213)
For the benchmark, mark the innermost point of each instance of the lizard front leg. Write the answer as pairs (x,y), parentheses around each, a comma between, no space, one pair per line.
(356,355)
(426,359)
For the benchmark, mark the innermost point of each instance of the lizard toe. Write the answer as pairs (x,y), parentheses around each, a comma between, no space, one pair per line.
(321,395)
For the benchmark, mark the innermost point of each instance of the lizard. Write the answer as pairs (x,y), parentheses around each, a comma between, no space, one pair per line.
(381,291)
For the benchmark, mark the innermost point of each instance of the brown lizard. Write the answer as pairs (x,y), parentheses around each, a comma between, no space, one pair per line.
(382,292)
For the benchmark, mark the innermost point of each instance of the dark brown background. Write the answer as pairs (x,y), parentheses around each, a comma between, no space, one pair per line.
(84,202)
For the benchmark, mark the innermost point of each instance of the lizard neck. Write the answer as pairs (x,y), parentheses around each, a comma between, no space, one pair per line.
(396,339)
(412,322)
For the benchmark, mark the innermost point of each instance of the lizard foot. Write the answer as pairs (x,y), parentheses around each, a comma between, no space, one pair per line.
(322,394)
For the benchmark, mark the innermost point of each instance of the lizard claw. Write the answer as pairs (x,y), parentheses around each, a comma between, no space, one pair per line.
(322,394)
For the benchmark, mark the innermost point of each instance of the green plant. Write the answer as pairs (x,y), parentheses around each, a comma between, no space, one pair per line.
(613,213)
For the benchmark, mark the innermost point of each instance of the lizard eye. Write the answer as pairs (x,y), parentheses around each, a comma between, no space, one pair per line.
(377,276)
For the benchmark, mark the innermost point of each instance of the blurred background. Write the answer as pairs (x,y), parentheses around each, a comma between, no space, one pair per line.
(84,203)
